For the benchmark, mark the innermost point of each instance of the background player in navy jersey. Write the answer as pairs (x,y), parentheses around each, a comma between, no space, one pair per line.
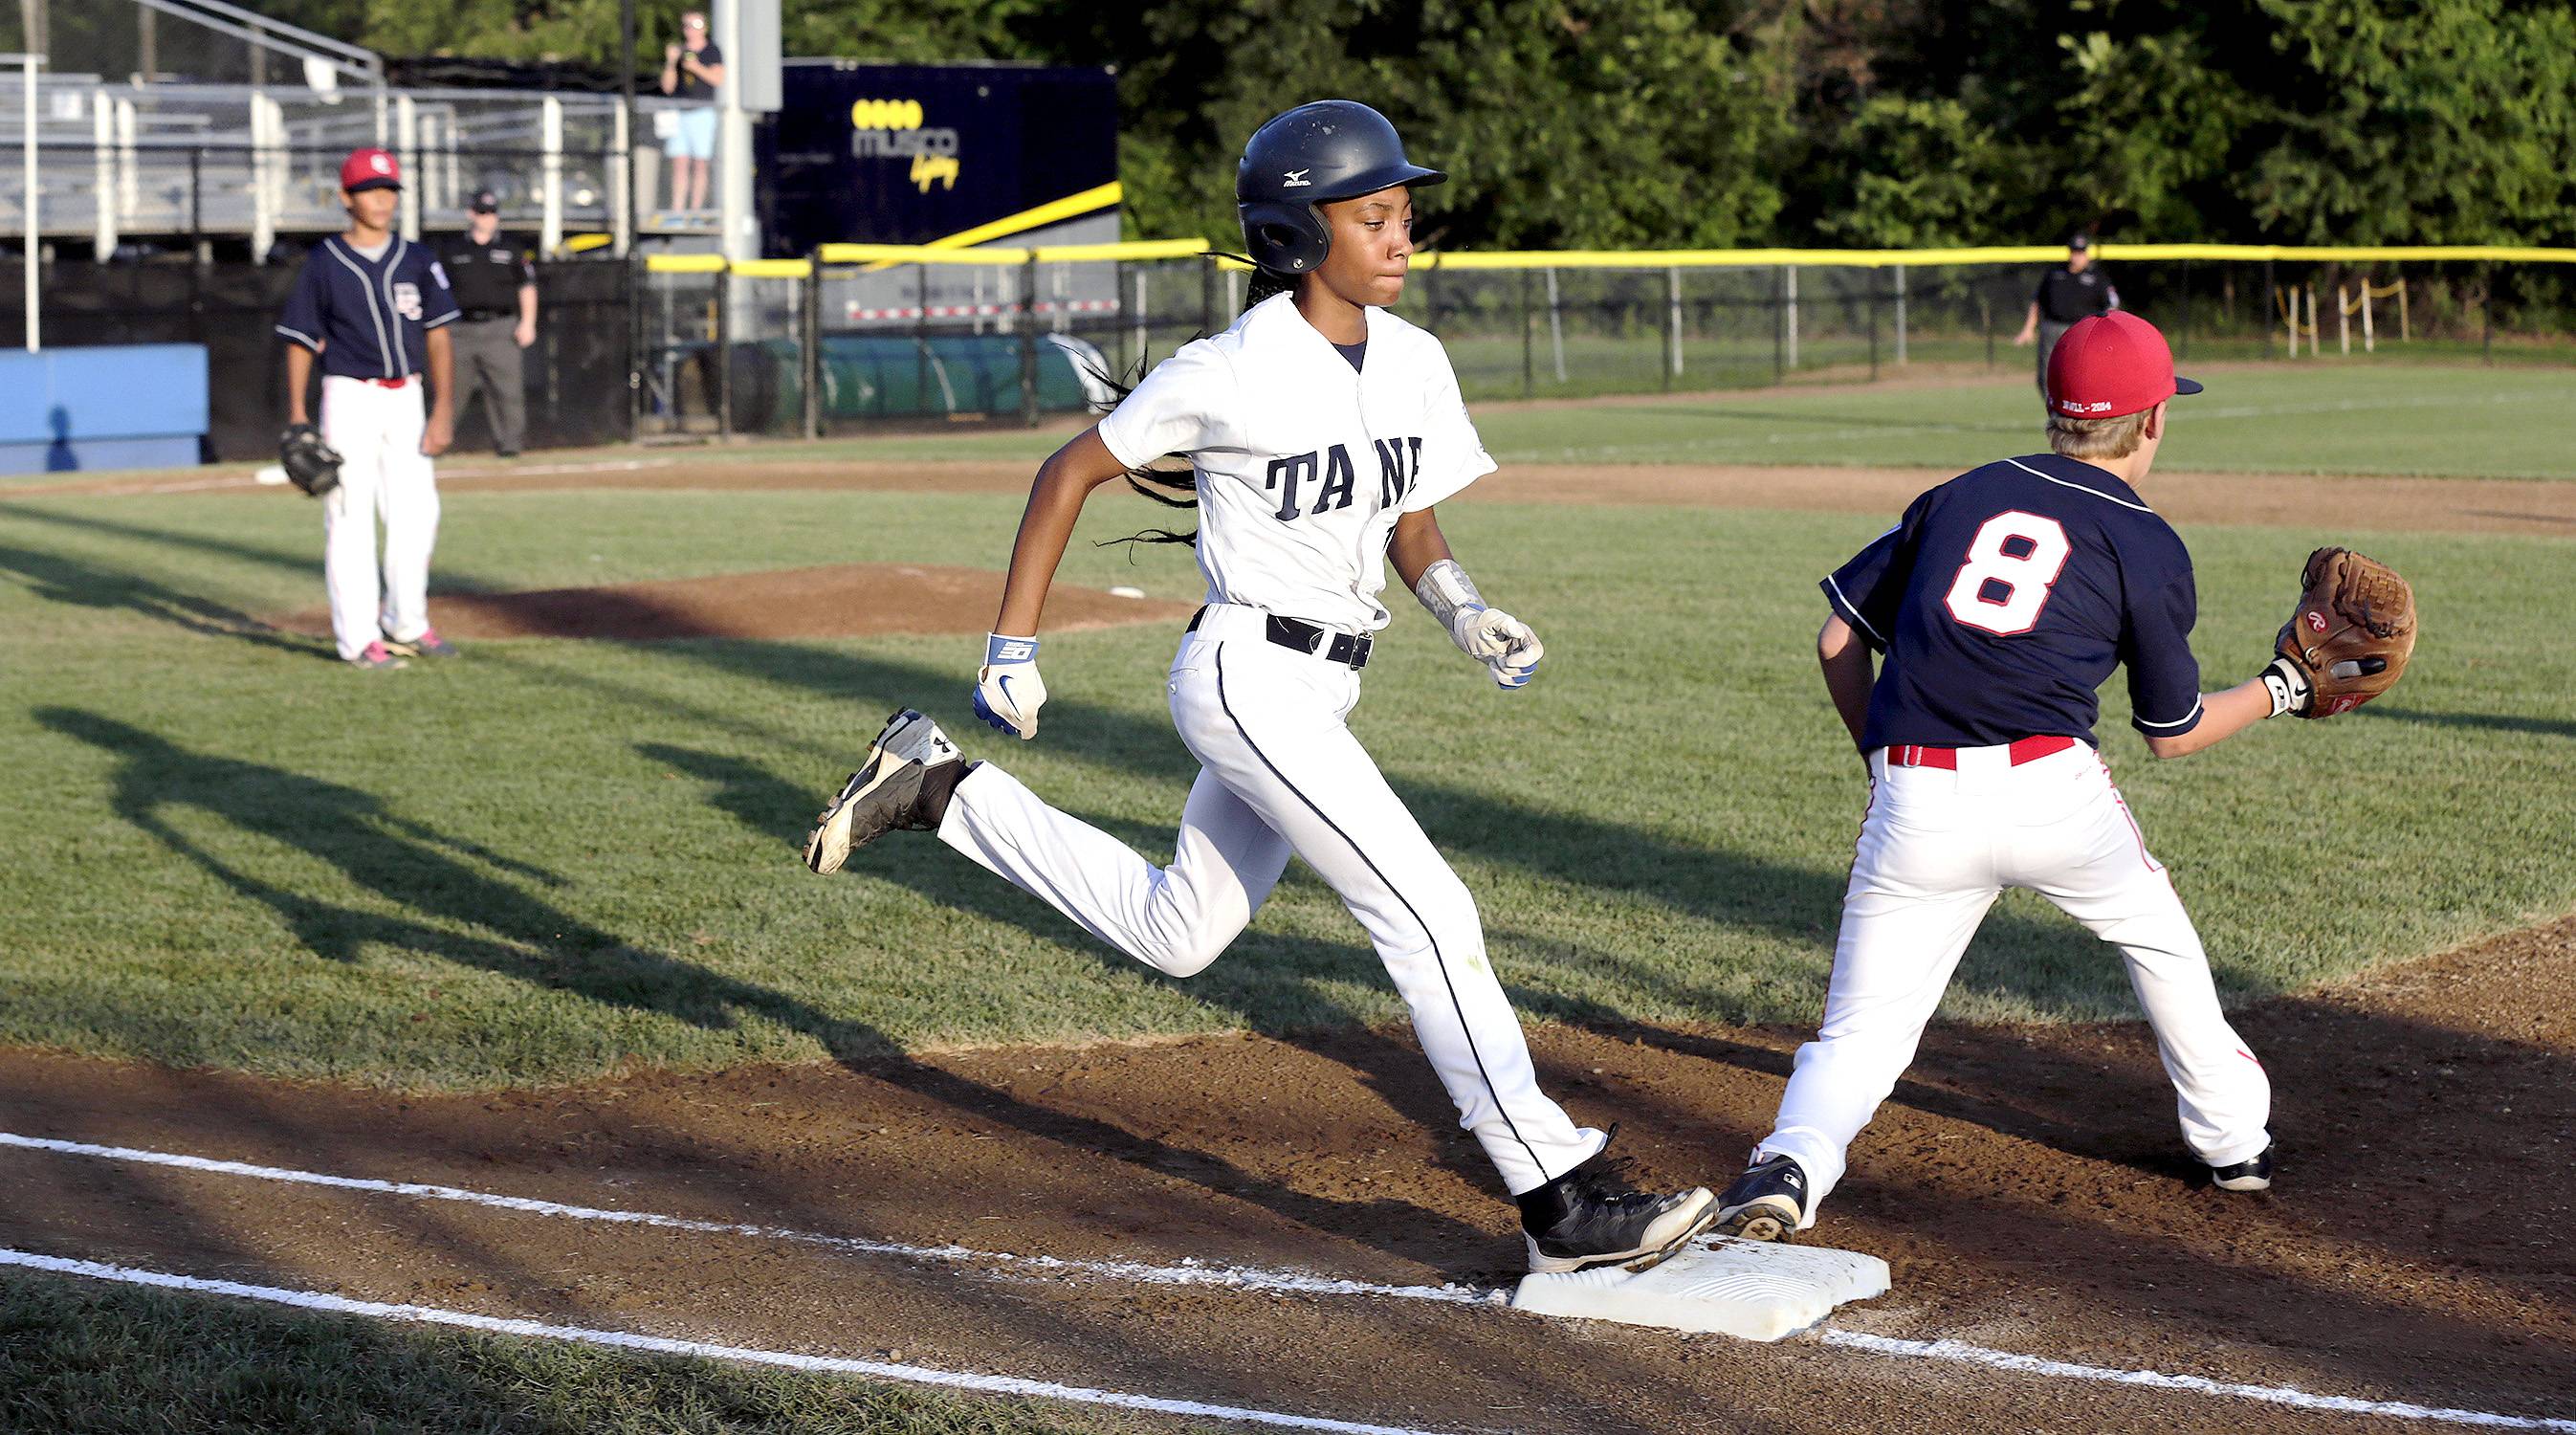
(2003,599)
(375,307)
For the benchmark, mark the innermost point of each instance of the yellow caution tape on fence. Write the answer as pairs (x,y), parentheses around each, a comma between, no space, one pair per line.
(880,255)
(1992,254)
(1134,250)
(883,254)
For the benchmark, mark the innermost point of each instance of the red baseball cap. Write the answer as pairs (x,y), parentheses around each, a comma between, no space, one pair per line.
(369,169)
(2109,365)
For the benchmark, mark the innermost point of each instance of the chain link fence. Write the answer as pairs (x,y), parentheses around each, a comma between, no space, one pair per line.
(854,342)
(871,338)
(1533,330)
(576,373)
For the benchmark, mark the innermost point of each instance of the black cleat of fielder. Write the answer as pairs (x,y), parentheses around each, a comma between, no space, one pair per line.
(905,783)
(2251,1175)
(1592,1216)
(1766,1203)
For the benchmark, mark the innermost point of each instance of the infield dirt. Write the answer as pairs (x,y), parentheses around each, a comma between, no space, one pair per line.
(2025,1185)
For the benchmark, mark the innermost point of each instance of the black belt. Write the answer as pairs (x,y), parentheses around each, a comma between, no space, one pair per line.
(477,316)
(1344,648)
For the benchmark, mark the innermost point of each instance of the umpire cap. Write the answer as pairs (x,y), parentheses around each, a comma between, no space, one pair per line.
(1315,153)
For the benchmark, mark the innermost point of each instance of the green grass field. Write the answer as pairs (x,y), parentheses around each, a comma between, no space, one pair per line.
(556,859)
(2330,418)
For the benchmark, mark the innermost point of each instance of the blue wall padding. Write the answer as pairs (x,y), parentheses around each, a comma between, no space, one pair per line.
(114,406)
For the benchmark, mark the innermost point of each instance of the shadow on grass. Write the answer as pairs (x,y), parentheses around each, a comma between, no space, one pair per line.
(423,871)
(1264,977)
(2486,722)
(2024,958)
(2033,961)
(60,579)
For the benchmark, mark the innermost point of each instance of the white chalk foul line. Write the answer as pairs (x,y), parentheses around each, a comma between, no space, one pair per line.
(1228,1277)
(661,1345)
(1964,1354)
(1276,1282)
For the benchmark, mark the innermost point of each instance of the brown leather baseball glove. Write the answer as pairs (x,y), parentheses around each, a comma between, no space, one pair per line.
(2348,640)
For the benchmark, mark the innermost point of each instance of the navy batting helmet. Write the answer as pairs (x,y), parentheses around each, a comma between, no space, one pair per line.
(1331,149)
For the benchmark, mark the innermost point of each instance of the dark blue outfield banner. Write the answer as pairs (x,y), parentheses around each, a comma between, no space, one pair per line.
(908,154)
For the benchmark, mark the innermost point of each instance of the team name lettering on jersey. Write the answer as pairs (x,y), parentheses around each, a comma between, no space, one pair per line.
(1303,464)
(1399,461)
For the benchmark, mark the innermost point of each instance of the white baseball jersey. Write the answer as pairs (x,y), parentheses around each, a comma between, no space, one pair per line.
(1304,464)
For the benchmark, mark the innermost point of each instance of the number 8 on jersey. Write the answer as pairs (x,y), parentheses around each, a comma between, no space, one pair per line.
(2011,565)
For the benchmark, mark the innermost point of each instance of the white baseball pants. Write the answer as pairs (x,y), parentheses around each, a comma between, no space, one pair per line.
(1936,850)
(376,431)
(1282,773)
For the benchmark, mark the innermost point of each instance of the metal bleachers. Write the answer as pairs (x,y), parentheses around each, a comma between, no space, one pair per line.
(243,144)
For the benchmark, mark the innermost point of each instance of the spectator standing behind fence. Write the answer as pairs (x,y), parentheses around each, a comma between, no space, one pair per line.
(496,288)
(691,71)
(2077,291)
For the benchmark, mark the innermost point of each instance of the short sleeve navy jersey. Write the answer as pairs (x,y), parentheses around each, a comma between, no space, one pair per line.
(2005,597)
(369,318)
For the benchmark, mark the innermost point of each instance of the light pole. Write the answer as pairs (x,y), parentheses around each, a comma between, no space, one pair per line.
(626,86)
(27,64)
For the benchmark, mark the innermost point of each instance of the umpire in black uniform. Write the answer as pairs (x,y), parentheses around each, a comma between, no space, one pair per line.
(2080,290)
(496,287)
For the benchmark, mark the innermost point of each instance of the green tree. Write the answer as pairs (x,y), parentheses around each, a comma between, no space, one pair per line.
(2431,121)
(1912,174)
(1595,124)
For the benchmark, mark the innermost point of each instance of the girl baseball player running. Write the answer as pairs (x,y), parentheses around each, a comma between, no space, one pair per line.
(2001,602)
(1322,429)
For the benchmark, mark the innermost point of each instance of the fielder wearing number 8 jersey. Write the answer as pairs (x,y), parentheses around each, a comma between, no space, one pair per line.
(1321,430)
(2001,601)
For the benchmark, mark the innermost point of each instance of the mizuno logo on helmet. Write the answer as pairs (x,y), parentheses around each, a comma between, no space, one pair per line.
(1296,179)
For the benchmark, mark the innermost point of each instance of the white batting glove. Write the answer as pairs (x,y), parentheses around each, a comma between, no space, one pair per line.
(1499,641)
(1008,690)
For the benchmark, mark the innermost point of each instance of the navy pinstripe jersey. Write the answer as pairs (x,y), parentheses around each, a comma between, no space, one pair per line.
(369,318)
(2006,596)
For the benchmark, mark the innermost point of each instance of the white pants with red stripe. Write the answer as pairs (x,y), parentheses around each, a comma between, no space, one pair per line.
(1281,773)
(383,474)
(1938,847)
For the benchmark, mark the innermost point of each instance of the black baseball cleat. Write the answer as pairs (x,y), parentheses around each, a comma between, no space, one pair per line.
(1592,1216)
(906,782)
(2253,1175)
(1766,1203)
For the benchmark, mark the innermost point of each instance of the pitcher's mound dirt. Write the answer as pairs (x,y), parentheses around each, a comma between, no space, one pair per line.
(851,600)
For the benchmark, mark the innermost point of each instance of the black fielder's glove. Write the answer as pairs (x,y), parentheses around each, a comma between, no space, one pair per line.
(310,463)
